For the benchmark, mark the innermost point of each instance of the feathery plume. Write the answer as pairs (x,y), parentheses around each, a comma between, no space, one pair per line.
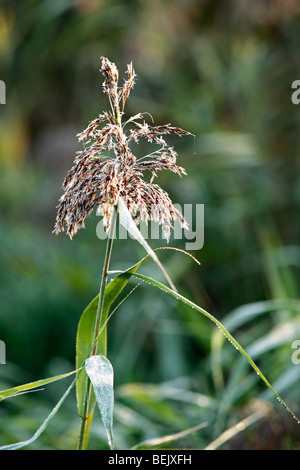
(98,181)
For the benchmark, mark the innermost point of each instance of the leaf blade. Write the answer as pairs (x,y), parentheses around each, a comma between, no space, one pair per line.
(19,445)
(85,331)
(101,374)
(31,385)
(128,223)
(159,441)
(230,338)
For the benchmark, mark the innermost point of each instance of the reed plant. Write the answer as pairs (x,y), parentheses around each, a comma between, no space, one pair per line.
(108,177)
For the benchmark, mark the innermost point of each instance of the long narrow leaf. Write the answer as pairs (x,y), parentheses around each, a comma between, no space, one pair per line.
(159,441)
(19,445)
(128,223)
(234,430)
(84,339)
(222,329)
(29,386)
(85,331)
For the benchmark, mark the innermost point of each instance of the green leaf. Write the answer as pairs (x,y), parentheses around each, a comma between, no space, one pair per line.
(222,329)
(85,332)
(128,223)
(234,430)
(29,386)
(101,374)
(159,441)
(19,445)
(245,313)
(84,340)
(85,329)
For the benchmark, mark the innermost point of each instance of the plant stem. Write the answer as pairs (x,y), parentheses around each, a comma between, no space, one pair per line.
(87,417)
(109,245)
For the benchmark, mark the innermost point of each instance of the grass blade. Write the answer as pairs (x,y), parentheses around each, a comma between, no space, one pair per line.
(230,338)
(85,331)
(159,441)
(31,385)
(128,223)
(234,430)
(19,445)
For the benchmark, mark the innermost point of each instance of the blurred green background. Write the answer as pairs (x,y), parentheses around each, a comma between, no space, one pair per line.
(223,71)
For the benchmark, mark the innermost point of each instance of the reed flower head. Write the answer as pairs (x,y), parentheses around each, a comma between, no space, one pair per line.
(107,169)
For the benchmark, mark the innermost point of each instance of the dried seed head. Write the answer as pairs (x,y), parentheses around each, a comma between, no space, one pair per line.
(111,76)
(129,83)
(98,180)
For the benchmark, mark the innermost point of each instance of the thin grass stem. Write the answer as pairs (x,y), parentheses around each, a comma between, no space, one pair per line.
(86,418)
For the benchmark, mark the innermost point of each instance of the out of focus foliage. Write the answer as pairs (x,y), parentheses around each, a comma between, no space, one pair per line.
(223,71)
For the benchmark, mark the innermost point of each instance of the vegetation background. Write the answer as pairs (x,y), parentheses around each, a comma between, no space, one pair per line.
(223,71)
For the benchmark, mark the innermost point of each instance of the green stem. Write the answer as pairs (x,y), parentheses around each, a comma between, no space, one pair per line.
(86,418)
(109,245)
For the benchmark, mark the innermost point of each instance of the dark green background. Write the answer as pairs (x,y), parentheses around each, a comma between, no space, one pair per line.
(222,70)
